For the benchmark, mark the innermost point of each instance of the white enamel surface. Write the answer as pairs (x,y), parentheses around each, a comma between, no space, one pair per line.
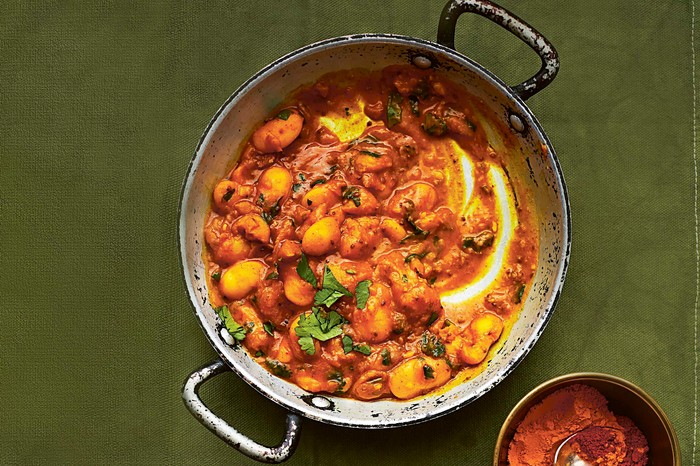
(218,151)
(505,214)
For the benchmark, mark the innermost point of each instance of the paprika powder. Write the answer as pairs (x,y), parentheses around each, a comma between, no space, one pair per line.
(604,438)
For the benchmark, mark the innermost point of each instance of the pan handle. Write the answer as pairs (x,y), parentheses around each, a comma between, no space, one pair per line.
(250,448)
(507,20)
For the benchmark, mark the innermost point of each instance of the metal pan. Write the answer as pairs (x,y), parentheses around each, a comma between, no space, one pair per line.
(533,162)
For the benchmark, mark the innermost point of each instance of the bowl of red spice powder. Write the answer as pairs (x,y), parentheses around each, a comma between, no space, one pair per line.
(618,422)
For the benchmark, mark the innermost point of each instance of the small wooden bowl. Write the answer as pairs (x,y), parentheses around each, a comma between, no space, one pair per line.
(624,398)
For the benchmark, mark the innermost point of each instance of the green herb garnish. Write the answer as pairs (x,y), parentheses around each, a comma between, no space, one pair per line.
(393,109)
(236,330)
(229,194)
(434,125)
(337,376)
(269,328)
(216,276)
(370,153)
(318,181)
(386,357)
(433,317)
(428,372)
(305,271)
(479,241)
(362,293)
(348,346)
(296,187)
(419,256)
(259,354)
(413,101)
(331,290)
(318,325)
(432,345)
(278,368)
(518,297)
(272,212)
(352,193)
(284,114)
(272,276)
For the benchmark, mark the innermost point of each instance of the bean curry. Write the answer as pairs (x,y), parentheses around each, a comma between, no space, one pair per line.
(369,242)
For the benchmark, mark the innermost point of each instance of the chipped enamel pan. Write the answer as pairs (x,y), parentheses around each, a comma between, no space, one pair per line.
(533,163)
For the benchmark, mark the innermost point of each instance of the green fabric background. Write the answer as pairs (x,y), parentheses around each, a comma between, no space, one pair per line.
(101,107)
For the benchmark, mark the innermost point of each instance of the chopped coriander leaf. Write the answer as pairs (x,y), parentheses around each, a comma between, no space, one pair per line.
(236,330)
(370,153)
(432,345)
(229,194)
(296,187)
(518,297)
(479,241)
(259,354)
(413,101)
(331,283)
(419,256)
(350,272)
(272,211)
(421,89)
(393,109)
(269,328)
(261,199)
(386,357)
(216,276)
(352,193)
(337,376)
(318,181)
(302,177)
(362,293)
(434,125)
(332,169)
(404,278)
(318,325)
(278,368)
(272,276)
(284,114)
(347,344)
(331,290)
(433,317)
(431,280)
(428,372)
(307,345)
(326,297)
(305,271)
(417,233)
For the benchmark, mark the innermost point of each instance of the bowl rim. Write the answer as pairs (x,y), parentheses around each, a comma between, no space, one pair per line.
(581,377)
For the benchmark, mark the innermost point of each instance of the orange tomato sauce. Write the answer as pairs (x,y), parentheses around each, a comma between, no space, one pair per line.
(368,242)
